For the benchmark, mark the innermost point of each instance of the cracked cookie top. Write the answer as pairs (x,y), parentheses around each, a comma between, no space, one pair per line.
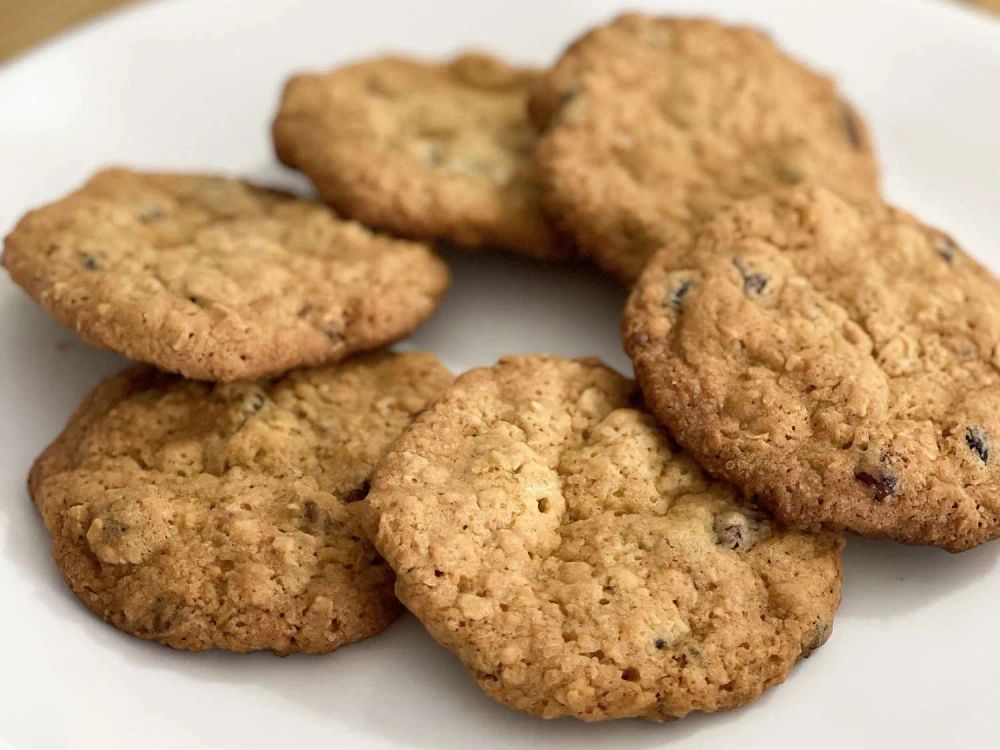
(652,124)
(218,279)
(549,532)
(840,364)
(208,515)
(425,150)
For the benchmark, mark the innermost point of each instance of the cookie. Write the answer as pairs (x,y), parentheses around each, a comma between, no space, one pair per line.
(218,279)
(430,151)
(652,124)
(208,515)
(548,531)
(840,364)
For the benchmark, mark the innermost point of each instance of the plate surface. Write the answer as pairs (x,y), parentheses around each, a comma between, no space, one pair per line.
(914,658)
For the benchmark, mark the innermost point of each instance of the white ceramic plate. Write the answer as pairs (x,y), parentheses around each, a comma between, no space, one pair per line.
(915,655)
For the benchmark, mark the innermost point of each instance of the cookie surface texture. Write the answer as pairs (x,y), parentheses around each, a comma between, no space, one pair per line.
(840,364)
(218,279)
(553,537)
(652,124)
(210,515)
(430,151)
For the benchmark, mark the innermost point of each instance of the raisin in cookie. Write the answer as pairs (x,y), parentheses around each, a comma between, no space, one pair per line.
(217,279)
(551,534)
(654,123)
(841,364)
(210,515)
(432,151)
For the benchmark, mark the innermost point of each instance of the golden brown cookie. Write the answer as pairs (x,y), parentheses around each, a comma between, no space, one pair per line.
(551,534)
(217,279)
(841,364)
(430,151)
(210,515)
(652,124)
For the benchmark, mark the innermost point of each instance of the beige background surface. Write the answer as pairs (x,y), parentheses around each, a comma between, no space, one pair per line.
(24,23)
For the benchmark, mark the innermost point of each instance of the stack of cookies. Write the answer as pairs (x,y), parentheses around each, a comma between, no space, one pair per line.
(809,360)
